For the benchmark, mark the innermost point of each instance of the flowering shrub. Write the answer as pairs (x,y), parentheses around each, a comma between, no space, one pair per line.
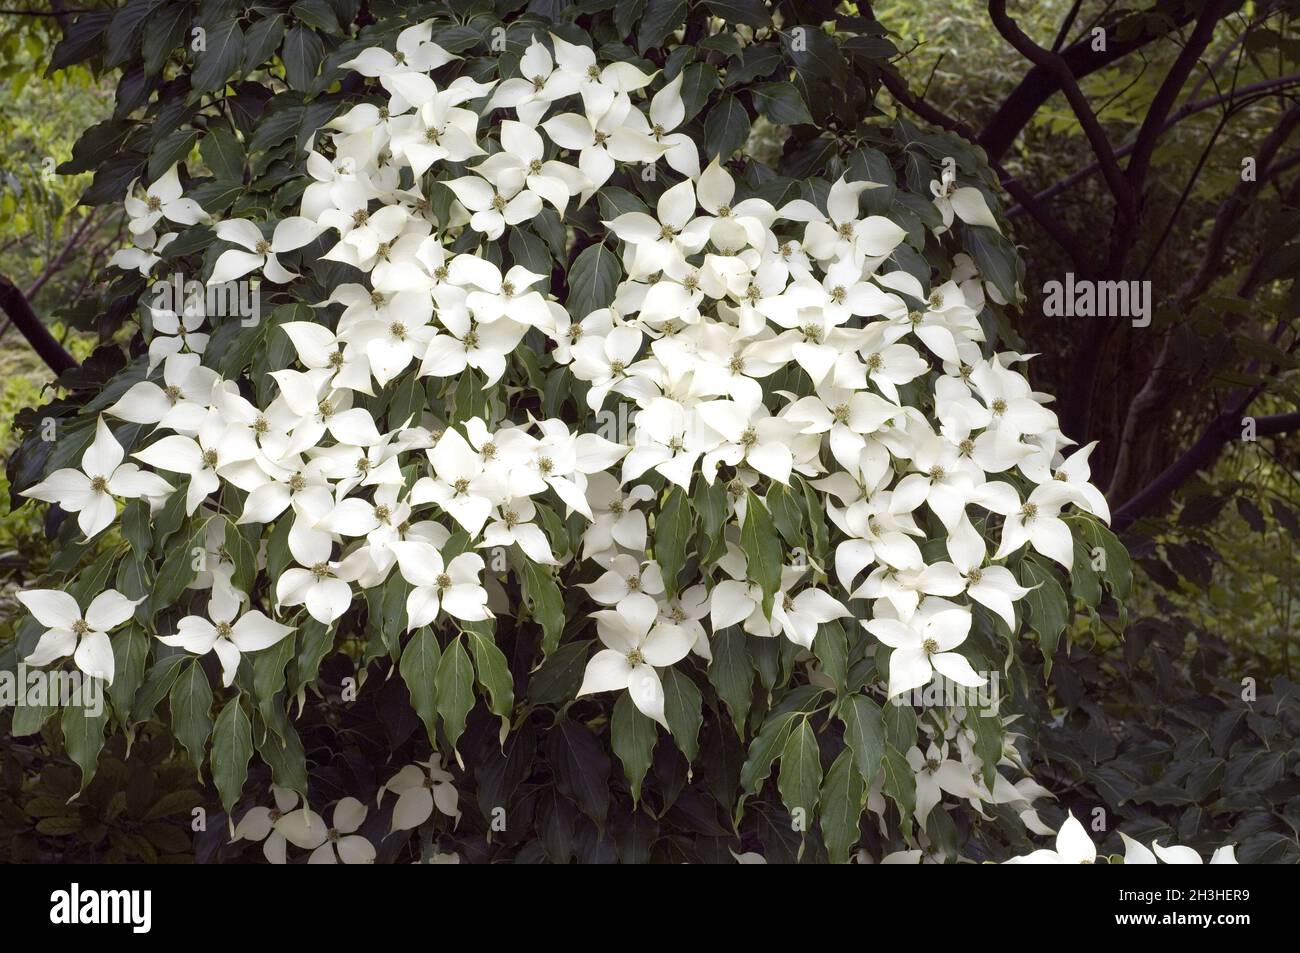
(473,371)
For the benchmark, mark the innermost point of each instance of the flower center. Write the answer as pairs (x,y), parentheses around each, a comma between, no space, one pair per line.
(929,646)
(262,246)
(80,627)
(1029,511)
(443,581)
(210,458)
(635,657)
(223,630)
(98,484)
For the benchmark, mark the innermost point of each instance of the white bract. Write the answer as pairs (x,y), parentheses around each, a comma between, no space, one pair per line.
(90,491)
(84,636)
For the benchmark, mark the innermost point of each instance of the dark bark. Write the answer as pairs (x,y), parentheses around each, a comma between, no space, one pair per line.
(14,303)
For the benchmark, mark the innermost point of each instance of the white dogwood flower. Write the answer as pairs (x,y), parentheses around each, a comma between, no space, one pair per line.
(226,632)
(70,632)
(635,645)
(90,491)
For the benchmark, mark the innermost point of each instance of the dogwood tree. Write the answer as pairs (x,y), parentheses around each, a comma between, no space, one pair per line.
(670,491)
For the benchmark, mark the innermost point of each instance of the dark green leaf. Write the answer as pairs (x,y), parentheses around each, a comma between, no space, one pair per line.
(633,738)
(191,705)
(232,747)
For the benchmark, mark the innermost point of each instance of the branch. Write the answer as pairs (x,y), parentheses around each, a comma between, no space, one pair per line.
(1229,212)
(1153,124)
(1059,69)
(1224,428)
(38,336)
(1041,82)
(61,258)
(1250,94)
(1068,22)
